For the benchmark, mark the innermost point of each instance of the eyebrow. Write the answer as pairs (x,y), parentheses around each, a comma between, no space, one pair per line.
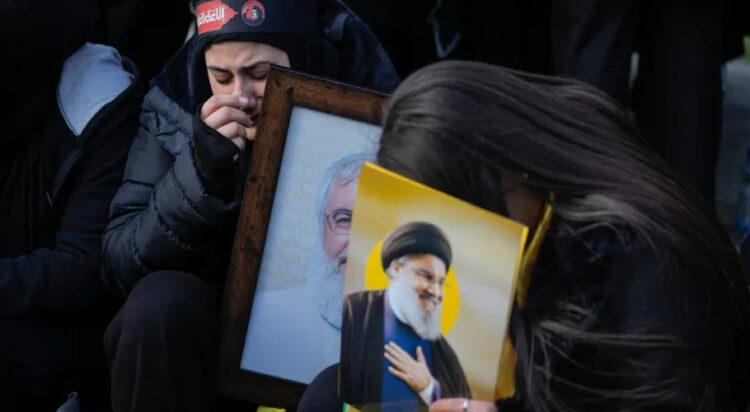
(254,65)
(425,272)
(248,67)
(218,69)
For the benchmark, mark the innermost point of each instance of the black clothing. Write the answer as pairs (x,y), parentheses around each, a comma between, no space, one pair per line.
(161,345)
(56,183)
(42,360)
(677,96)
(677,92)
(362,337)
(37,38)
(214,159)
(54,193)
(147,31)
(512,33)
(322,394)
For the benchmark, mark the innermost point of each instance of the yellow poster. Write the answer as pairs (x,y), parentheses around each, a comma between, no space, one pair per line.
(429,287)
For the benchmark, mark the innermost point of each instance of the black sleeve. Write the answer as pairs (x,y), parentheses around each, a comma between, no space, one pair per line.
(509,405)
(214,158)
(449,372)
(322,395)
(162,216)
(64,279)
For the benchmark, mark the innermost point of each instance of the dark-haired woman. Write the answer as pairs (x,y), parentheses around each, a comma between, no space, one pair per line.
(637,300)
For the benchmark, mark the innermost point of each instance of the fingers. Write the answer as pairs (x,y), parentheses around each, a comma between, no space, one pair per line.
(447,405)
(233,130)
(251,131)
(239,142)
(420,355)
(415,374)
(397,373)
(398,354)
(217,101)
(227,114)
(397,350)
(221,112)
(236,133)
(397,362)
(457,405)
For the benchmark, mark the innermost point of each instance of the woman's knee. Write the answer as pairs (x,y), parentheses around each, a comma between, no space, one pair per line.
(167,300)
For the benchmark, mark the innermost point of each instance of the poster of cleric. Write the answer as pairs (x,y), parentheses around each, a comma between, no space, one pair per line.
(429,288)
(294,329)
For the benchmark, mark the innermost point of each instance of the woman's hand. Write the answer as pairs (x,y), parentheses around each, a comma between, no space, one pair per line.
(414,373)
(457,405)
(226,115)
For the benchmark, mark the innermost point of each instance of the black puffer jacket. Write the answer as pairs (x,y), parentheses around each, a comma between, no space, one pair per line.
(164,216)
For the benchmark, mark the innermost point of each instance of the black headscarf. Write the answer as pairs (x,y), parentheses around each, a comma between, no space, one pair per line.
(288,25)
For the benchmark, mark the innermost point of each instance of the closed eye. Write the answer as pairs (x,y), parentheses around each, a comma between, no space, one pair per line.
(429,276)
(222,76)
(258,71)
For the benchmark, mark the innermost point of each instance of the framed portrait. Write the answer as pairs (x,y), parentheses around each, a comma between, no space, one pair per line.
(282,304)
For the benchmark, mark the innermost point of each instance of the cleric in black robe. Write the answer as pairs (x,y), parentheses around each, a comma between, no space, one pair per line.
(392,349)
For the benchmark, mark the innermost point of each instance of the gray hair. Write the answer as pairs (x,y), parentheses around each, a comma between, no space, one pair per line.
(343,170)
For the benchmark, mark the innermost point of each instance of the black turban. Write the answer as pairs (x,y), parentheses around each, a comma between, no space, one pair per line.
(415,238)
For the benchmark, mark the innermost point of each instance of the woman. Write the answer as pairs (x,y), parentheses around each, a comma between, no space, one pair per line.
(637,300)
(172,221)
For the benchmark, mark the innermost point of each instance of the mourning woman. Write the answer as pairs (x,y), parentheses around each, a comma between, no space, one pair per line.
(637,300)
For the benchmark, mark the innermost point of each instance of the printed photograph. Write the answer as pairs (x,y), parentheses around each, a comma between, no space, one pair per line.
(429,286)
(294,329)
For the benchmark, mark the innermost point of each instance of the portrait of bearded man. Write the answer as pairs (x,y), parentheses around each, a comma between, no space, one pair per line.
(393,354)
(295,333)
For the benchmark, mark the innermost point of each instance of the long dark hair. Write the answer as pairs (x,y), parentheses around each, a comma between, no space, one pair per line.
(457,126)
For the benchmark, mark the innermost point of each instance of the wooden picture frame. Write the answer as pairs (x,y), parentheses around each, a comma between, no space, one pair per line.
(285,89)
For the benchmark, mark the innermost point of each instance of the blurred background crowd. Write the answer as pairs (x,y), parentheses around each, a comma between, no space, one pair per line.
(681,66)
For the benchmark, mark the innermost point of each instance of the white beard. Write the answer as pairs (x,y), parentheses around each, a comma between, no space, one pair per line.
(326,284)
(425,324)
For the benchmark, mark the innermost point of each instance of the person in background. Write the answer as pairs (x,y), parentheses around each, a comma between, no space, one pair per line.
(172,221)
(146,31)
(676,93)
(637,299)
(511,33)
(69,113)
